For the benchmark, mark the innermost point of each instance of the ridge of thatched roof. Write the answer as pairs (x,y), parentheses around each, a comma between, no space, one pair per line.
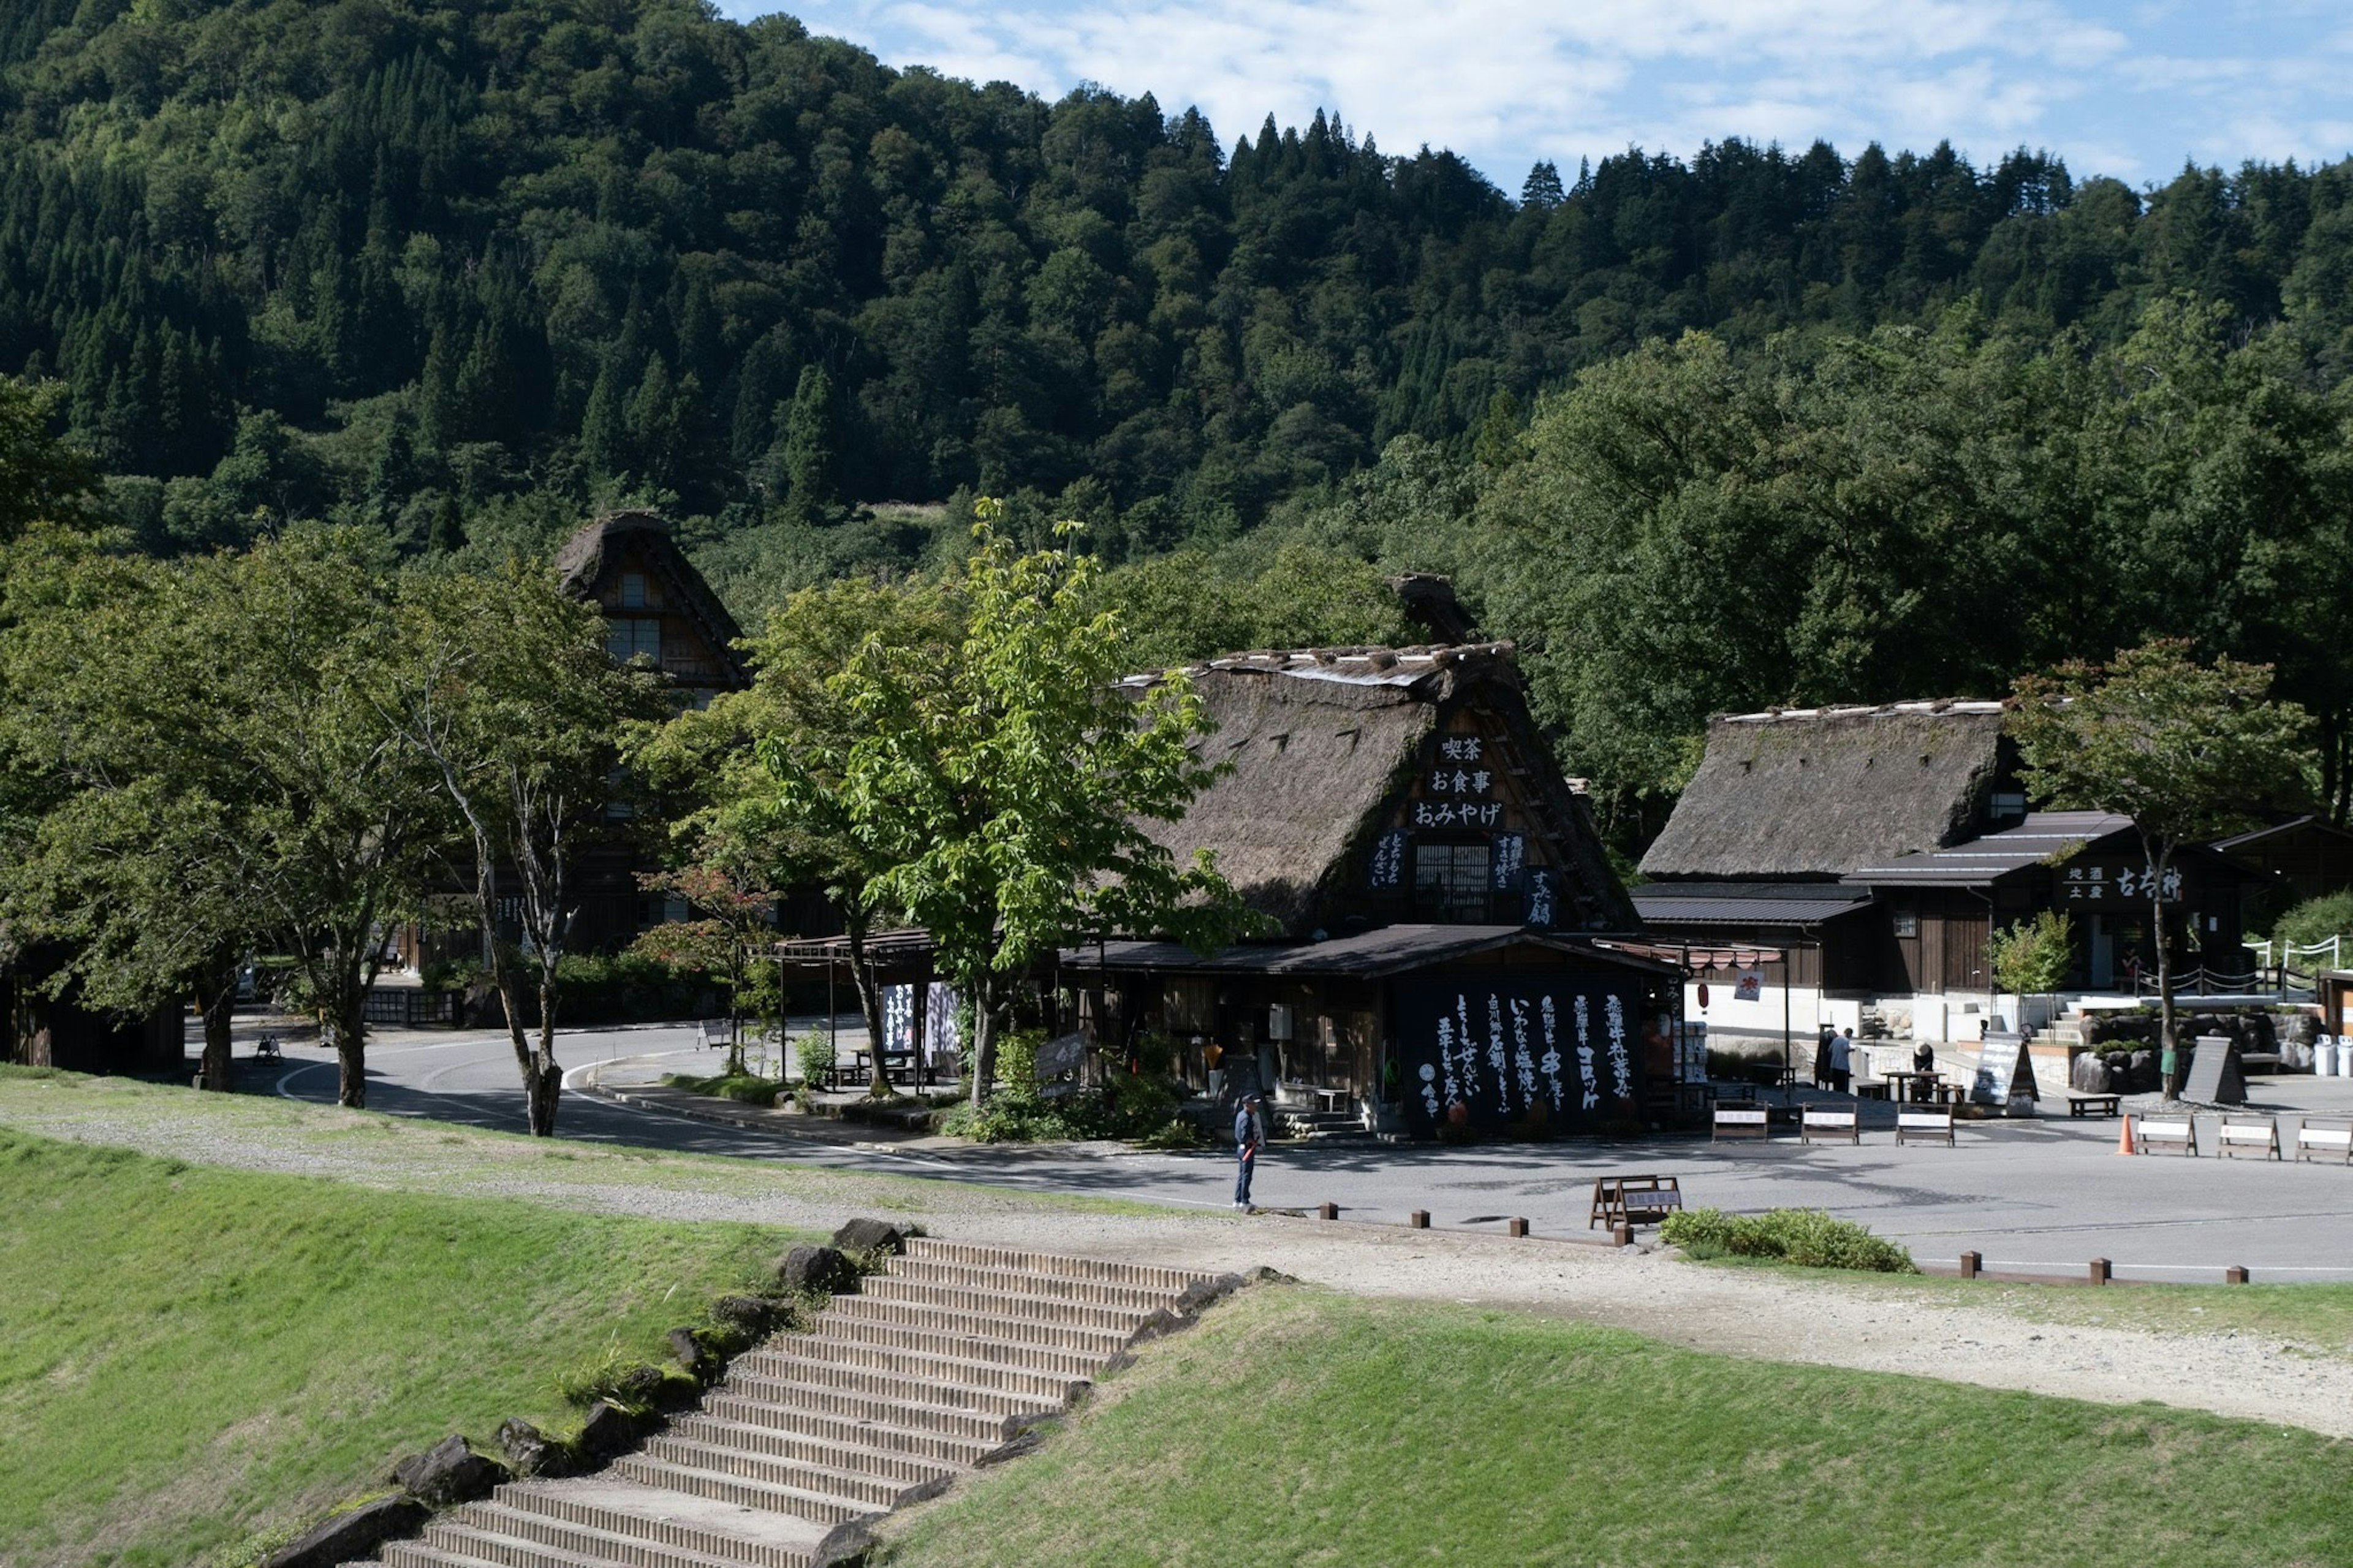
(580,563)
(1815,792)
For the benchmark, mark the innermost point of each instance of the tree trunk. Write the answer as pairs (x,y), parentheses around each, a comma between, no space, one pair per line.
(984,1039)
(2168,1047)
(216,1003)
(350,1013)
(870,1006)
(543,1075)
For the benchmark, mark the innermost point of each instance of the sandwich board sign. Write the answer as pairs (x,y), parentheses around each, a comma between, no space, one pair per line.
(2004,1072)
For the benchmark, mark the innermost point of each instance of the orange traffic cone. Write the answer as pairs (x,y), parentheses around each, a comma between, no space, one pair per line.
(2124,1140)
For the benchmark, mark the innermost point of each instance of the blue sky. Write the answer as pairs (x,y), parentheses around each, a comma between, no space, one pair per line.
(2128,89)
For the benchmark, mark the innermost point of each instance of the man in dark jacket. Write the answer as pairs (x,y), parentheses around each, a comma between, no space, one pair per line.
(1249,1131)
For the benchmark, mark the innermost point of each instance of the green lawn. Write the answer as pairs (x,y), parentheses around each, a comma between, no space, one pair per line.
(1300,1427)
(191,1356)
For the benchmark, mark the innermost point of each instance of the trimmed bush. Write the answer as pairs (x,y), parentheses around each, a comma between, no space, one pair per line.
(1807,1237)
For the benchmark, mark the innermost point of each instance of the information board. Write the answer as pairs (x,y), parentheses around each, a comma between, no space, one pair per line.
(2215,1076)
(2004,1072)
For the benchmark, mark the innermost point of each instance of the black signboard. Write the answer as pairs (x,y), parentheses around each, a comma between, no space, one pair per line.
(1566,1049)
(2004,1072)
(2215,1076)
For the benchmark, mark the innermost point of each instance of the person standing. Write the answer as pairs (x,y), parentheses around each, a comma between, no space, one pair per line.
(1842,1061)
(1822,1056)
(1249,1132)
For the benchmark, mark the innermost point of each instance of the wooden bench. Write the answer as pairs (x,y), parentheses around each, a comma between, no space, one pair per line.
(1734,1121)
(1823,1124)
(2312,1141)
(717,1032)
(2241,1135)
(1634,1200)
(2176,1133)
(1871,1089)
(2080,1103)
(1914,1126)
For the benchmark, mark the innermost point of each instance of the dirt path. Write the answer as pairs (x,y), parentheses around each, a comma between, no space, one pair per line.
(1870,1326)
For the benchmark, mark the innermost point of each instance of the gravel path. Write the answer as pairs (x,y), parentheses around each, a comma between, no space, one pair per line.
(1876,1326)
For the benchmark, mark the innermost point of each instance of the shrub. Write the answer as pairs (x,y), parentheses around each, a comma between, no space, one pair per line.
(2316,921)
(748,1089)
(815,1054)
(1809,1238)
(1128,1107)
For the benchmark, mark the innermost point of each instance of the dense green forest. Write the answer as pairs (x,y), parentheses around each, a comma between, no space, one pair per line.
(1761,425)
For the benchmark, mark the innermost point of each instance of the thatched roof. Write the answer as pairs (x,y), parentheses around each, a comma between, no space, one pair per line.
(1320,742)
(580,571)
(1817,792)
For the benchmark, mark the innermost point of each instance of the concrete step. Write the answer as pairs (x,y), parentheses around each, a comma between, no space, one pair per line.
(524,1541)
(745,1401)
(943,1386)
(615,1506)
(996,1326)
(819,1506)
(1025,1283)
(881,1493)
(906,1468)
(971,1342)
(1005,1303)
(1018,1260)
(838,1360)
(919,1443)
(416,1554)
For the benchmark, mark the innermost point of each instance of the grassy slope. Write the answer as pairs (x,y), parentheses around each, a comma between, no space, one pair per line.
(1297,1428)
(193,1354)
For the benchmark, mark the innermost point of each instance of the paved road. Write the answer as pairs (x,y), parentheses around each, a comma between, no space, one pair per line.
(2044,1195)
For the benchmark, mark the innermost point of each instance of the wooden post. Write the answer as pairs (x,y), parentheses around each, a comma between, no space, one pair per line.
(2100,1271)
(2235,1275)
(1970,1263)
(1516,1227)
(1622,1234)
(1329,1211)
(1419,1219)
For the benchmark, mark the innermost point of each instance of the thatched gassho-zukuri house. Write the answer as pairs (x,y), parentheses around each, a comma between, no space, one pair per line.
(1785,802)
(1397,813)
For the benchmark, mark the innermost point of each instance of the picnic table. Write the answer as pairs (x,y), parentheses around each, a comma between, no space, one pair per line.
(1919,1088)
(897,1067)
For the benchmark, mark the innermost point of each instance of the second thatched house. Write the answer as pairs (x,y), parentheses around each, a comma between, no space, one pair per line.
(1880,848)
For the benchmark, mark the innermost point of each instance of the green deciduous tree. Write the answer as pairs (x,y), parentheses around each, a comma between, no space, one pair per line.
(1005,789)
(2189,751)
(502,686)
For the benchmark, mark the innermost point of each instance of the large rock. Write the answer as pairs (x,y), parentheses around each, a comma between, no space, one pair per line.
(609,1432)
(818,1269)
(872,1237)
(352,1536)
(751,1316)
(2144,1072)
(530,1451)
(448,1472)
(2091,1074)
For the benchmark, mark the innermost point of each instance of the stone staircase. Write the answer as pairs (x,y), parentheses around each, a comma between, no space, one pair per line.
(935,1367)
(1305,1123)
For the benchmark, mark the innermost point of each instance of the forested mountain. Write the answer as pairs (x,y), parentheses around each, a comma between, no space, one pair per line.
(519,244)
(462,272)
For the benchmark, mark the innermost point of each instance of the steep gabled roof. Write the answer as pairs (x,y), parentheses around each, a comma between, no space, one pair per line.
(580,569)
(1319,742)
(1817,792)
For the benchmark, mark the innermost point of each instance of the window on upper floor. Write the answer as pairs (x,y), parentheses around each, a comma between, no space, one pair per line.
(628,636)
(633,590)
(1450,881)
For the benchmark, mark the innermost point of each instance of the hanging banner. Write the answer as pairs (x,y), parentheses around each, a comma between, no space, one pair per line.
(898,1018)
(1388,871)
(1556,1049)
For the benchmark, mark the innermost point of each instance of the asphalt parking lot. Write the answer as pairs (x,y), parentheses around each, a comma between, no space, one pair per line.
(2031,1195)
